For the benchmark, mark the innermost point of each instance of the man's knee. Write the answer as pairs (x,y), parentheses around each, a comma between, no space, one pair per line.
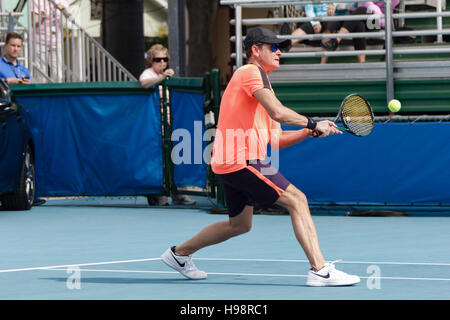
(241,228)
(242,223)
(245,228)
(292,198)
(301,197)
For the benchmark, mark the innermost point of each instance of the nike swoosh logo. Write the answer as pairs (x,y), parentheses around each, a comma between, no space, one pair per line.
(325,276)
(179,263)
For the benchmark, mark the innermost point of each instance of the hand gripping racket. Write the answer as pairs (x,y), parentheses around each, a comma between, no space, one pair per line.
(356,115)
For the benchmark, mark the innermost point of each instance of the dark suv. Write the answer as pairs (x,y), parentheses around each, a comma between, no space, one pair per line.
(17,184)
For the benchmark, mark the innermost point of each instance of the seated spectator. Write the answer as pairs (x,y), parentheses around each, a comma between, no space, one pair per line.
(315,27)
(311,27)
(356,26)
(341,27)
(344,27)
(377,7)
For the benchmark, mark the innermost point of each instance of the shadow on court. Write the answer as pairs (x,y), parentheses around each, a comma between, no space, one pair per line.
(168,281)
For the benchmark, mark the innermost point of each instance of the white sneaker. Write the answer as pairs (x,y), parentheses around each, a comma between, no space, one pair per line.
(329,276)
(183,264)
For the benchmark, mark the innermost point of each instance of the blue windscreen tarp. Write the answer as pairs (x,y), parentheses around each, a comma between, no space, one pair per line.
(190,169)
(96,144)
(398,163)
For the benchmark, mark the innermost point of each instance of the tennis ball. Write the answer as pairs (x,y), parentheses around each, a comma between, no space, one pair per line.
(394,105)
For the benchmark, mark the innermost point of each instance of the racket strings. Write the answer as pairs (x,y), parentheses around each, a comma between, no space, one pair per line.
(357,116)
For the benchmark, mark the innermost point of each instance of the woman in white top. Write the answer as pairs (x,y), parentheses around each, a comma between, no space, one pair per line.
(157,61)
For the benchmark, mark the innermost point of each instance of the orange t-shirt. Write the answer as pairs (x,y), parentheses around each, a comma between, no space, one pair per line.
(244,126)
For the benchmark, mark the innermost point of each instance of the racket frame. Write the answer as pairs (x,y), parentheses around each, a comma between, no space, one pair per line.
(340,115)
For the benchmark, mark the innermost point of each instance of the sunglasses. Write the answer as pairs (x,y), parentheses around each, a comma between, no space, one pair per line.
(160,59)
(274,46)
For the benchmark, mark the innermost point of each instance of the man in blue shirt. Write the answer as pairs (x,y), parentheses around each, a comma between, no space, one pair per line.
(10,68)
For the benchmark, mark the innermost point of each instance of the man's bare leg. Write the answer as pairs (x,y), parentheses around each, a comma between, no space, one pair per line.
(297,32)
(218,232)
(296,203)
(324,59)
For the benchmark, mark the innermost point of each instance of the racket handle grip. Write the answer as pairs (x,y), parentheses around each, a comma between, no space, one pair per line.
(315,133)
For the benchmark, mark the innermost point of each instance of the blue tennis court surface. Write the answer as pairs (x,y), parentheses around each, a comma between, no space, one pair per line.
(111,248)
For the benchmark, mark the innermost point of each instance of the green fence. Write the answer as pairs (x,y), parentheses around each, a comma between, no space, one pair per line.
(323,98)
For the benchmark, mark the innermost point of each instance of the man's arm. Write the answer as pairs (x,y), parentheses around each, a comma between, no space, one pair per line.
(285,138)
(149,82)
(287,116)
(277,111)
(13,80)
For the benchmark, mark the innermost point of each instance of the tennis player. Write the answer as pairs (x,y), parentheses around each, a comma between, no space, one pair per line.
(250,118)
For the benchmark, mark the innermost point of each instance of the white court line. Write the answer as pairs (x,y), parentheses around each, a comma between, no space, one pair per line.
(341,261)
(220,259)
(248,274)
(77,265)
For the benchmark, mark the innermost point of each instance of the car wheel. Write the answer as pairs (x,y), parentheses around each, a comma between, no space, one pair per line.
(23,197)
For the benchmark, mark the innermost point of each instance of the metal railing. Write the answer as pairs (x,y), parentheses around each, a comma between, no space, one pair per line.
(65,52)
(59,50)
(387,34)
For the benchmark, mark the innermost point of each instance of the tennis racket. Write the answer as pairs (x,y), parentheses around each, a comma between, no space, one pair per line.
(356,116)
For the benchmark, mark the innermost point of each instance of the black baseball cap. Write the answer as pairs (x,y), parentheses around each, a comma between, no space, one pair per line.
(263,35)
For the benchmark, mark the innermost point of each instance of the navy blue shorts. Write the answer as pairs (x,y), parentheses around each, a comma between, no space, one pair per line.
(258,183)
